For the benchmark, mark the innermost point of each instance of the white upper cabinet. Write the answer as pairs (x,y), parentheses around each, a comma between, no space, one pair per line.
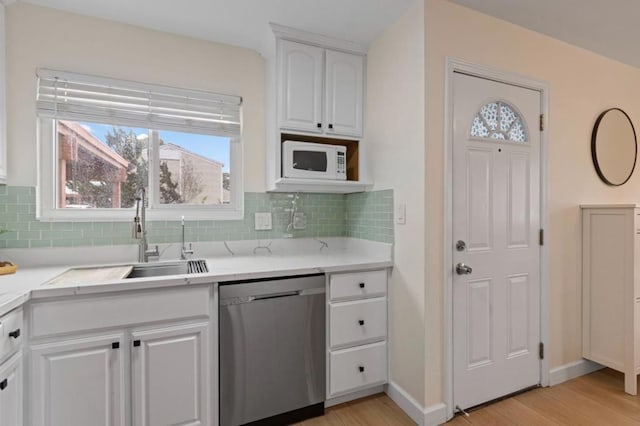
(344,74)
(301,80)
(3,99)
(320,90)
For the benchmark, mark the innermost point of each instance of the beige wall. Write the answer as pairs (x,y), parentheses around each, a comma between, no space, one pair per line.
(395,136)
(41,37)
(582,84)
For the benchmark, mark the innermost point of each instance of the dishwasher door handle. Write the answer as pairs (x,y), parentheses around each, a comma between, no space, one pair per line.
(274,295)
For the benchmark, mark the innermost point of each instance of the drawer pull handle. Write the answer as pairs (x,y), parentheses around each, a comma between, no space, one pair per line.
(136,343)
(361,322)
(361,285)
(361,369)
(4,384)
(15,334)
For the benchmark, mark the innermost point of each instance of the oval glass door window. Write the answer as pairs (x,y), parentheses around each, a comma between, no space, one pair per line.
(614,147)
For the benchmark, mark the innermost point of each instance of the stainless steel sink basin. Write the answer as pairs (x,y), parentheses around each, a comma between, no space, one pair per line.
(168,268)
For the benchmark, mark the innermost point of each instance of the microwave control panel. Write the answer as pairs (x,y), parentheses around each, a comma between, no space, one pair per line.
(341,165)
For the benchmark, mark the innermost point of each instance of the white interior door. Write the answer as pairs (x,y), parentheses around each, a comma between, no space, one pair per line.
(496,252)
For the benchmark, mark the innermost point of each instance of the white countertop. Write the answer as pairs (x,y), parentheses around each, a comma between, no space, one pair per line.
(287,258)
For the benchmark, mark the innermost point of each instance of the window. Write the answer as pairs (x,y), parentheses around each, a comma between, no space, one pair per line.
(102,140)
(500,121)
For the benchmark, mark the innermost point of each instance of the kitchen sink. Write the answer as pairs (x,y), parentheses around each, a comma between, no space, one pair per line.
(168,268)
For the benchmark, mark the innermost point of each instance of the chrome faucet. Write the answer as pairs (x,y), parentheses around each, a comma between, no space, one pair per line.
(140,230)
(185,252)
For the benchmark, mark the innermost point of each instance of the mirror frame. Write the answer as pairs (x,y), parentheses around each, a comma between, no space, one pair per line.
(594,157)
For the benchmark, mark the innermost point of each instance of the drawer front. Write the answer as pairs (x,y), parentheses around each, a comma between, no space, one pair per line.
(358,285)
(11,333)
(358,367)
(358,322)
(123,310)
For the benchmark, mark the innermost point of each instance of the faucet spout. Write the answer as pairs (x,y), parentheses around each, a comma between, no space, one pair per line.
(140,230)
(184,251)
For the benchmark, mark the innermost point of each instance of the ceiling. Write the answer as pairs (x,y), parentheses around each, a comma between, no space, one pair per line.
(245,22)
(610,28)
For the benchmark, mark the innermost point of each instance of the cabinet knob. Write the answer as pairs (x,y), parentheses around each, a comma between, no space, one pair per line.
(115,345)
(330,126)
(361,368)
(15,333)
(319,125)
(136,343)
(4,384)
(361,322)
(361,285)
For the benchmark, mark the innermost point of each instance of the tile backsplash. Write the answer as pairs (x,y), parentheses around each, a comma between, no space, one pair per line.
(369,215)
(365,215)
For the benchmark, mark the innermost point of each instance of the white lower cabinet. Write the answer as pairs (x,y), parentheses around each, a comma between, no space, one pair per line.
(78,382)
(357,332)
(152,372)
(170,371)
(11,391)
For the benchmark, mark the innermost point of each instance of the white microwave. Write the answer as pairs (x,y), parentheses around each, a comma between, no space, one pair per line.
(306,160)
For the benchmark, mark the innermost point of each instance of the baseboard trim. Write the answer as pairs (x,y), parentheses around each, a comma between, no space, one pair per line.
(406,402)
(435,415)
(429,416)
(572,370)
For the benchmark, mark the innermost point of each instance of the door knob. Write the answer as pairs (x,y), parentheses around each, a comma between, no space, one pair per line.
(462,269)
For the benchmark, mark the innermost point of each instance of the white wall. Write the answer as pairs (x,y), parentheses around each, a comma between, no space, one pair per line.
(395,137)
(582,84)
(41,37)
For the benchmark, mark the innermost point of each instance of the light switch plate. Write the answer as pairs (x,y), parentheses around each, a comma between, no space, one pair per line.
(401,214)
(263,221)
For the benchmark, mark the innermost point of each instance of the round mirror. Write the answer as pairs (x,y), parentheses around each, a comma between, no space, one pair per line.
(614,147)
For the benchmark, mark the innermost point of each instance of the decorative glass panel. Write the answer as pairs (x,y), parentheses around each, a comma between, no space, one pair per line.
(498,120)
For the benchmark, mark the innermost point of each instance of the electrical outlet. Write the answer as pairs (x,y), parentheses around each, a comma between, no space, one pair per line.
(299,220)
(263,221)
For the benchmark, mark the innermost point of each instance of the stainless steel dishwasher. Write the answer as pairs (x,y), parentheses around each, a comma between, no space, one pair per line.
(272,350)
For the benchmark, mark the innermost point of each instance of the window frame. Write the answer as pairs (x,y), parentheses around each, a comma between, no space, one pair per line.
(47,189)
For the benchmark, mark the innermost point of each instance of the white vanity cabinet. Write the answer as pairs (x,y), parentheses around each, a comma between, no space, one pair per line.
(357,331)
(11,385)
(611,288)
(320,90)
(105,359)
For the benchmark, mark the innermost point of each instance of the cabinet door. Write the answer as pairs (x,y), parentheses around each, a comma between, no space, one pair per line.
(11,391)
(171,376)
(300,97)
(344,93)
(78,382)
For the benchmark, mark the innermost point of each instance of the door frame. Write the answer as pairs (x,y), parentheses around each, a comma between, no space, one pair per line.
(453,65)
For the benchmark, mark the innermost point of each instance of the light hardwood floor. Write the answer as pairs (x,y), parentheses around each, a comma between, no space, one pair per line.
(595,399)
(373,410)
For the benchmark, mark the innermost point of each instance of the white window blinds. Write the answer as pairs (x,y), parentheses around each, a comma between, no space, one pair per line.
(69,96)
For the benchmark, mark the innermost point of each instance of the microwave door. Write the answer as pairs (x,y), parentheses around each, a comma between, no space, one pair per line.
(307,163)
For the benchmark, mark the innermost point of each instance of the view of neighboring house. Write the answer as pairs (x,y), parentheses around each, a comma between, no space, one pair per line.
(84,161)
(92,174)
(199,178)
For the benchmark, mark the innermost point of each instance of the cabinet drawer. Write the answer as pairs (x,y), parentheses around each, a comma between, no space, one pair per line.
(358,367)
(358,322)
(11,333)
(123,310)
(358,285)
